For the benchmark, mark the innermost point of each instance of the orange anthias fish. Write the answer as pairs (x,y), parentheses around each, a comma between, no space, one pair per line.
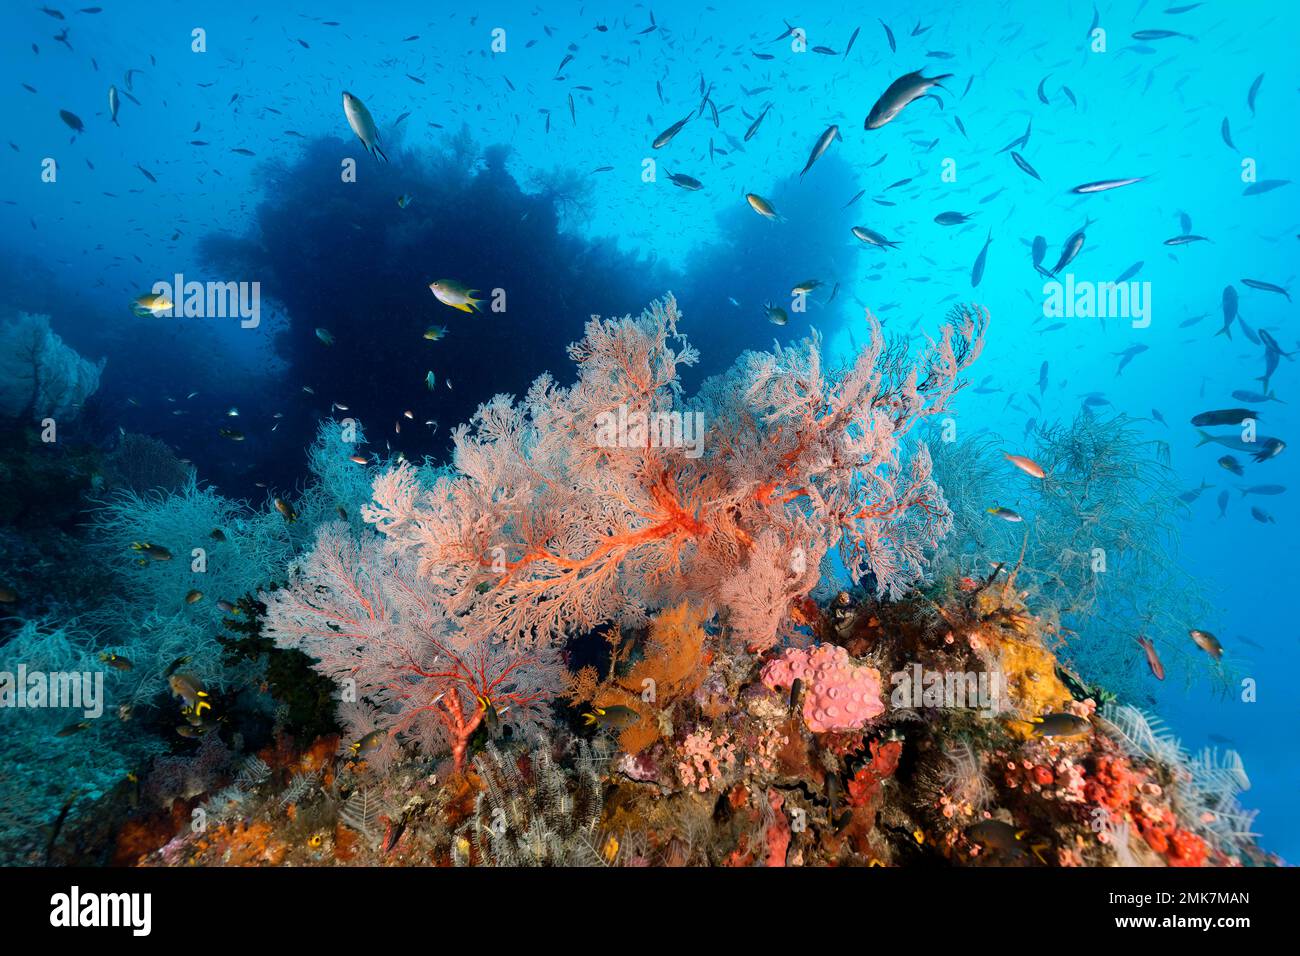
(1027,465)
(1153,659)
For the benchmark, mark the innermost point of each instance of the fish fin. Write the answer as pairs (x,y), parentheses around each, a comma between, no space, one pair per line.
(378,153)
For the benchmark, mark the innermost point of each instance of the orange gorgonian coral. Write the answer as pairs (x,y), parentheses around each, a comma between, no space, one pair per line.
(616,496)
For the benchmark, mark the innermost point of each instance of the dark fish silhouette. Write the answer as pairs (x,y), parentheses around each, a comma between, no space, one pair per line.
(904,90)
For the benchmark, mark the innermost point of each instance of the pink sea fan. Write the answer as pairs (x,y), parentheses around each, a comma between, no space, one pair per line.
(375,628)
(613,497)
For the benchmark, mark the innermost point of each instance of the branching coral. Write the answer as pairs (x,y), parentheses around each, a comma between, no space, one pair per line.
(583,505)
(363,614)
(572,192)
(205,553)
(141,464)
(203,549)
(54,754)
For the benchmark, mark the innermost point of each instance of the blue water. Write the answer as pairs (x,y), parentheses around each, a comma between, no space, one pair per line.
(82,247)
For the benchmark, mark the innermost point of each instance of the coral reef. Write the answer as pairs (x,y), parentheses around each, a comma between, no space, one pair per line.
(757,780)
(839,694)
(566,650)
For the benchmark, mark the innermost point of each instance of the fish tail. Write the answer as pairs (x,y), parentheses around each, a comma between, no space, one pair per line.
(379,153)
(1206,438)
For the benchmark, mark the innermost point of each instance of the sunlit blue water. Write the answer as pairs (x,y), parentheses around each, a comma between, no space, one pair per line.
(81,244)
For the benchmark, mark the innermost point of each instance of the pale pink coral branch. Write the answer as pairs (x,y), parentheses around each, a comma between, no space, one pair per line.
(543,529)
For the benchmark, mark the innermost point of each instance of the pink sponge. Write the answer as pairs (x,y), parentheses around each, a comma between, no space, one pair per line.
(841,693)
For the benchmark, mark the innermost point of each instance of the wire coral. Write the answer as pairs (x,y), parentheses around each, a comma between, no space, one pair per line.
(602,501)
(1098,547)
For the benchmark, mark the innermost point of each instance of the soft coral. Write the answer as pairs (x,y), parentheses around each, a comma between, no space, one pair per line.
(543,528)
